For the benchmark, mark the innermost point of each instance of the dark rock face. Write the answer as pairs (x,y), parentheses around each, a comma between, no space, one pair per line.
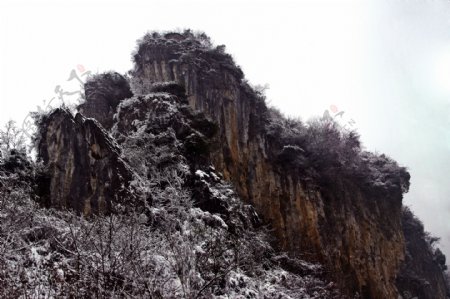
(421,275)
(83,164)
(103,93)
(341,226)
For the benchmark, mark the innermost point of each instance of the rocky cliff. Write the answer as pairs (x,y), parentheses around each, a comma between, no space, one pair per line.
(192,238)
(352,230)
(83,164)
(193,117)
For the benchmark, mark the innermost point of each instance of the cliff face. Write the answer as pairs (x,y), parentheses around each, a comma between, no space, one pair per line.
(103,94)
(356,233)
(326,199)
(84,168)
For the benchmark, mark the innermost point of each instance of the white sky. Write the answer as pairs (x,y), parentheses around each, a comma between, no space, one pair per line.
(386,64)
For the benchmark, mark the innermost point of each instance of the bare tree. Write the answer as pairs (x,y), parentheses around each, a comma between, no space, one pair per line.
(11,137)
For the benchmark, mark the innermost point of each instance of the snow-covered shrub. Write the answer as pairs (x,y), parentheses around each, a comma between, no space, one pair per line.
(175,251)
(381,173)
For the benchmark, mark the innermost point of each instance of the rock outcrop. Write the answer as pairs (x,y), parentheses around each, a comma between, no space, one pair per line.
(103,93)
(355,233)
(326,199)
(84,169)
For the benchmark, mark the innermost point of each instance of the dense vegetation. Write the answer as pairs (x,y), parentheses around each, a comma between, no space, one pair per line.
(320,151)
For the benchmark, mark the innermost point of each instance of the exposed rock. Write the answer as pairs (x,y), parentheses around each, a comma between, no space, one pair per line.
(348,220)
(351,232)
(103,93)
(83,164)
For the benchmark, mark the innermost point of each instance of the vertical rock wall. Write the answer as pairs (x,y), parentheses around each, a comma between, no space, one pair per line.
(83,164)
(357,235)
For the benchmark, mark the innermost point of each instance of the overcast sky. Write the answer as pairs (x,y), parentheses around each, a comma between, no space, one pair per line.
(386,64)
